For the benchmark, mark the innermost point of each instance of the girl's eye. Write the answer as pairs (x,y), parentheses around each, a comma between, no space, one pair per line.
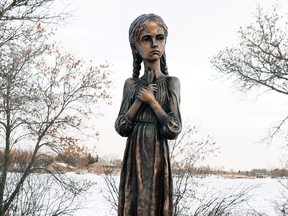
(146,39)
(160,37)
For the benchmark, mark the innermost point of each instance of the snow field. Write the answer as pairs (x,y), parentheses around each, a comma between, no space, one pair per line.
(267,191)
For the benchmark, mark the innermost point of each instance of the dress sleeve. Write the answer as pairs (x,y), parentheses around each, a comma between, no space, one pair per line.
(122,125)
(173,125)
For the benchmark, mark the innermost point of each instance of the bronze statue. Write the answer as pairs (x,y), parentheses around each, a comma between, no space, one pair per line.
(149,115)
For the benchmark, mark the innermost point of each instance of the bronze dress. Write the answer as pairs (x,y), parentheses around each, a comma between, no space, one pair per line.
(146,187)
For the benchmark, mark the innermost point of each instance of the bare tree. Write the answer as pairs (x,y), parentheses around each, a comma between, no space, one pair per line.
(44,194)
(231,201)
(46,98)
(110,191)
(186,153)
(260,58)
(16,16)
(281,202)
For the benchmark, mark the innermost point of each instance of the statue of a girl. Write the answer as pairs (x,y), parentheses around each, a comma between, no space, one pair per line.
(149,115)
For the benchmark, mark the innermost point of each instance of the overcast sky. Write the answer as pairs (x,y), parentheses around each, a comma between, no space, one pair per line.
(196,31)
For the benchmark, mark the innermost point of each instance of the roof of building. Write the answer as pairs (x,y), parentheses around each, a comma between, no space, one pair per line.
(103,163)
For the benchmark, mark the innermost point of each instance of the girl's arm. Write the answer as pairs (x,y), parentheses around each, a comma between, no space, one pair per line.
(124,122)
(132,112)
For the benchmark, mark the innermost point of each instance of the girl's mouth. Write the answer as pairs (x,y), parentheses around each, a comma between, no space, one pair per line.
(155,52)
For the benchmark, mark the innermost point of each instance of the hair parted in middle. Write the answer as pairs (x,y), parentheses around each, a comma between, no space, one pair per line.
(136,27)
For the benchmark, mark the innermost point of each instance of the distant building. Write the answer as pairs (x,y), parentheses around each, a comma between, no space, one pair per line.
(236,176)
(260,175)
(101,166)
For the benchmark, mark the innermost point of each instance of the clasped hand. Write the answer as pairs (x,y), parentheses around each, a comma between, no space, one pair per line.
(146,94)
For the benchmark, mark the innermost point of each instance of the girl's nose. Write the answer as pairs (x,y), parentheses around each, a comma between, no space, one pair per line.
(154,42)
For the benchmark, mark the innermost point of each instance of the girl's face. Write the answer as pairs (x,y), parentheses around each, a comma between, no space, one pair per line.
(151,42)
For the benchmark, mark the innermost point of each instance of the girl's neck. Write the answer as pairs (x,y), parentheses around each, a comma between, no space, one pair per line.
(154,66)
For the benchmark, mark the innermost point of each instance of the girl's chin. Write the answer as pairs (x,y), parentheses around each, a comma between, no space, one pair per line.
(153,59)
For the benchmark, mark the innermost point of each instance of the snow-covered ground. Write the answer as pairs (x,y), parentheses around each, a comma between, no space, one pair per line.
(262,196)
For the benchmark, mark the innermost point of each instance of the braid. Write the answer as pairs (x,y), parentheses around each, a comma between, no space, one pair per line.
(165,71)
(137,60)
(164,67)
